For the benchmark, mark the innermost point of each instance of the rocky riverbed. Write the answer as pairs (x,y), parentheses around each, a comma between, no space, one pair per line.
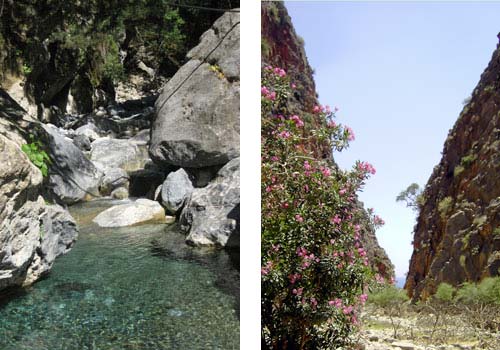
(127,288)
(423,331)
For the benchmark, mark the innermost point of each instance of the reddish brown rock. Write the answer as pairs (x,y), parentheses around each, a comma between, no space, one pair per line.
(457,235)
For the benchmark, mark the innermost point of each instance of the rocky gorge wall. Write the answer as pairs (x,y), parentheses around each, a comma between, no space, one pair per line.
(177,161)
(283,47)
(32,232)
(457,235)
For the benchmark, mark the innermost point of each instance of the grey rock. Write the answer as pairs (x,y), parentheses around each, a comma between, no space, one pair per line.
(128,155)
(141,211)
(113,178)
(89,130)
(82,142)
(197,125)
(229,64)
(202,176)
(72,176)
(120,193)
(58,233)
(404,345)
(175,190)
(32,234)
(211,215)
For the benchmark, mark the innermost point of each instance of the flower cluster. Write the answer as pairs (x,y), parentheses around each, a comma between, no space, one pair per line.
(313,283)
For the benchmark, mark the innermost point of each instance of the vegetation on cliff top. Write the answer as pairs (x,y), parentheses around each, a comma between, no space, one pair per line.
(90,35)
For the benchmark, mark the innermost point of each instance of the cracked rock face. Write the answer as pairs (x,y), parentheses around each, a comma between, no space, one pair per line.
(197,113)
(457,236)
(32,234)
(72,176)
(211,215)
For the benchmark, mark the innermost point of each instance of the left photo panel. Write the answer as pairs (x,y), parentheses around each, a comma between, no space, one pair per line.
(119,175)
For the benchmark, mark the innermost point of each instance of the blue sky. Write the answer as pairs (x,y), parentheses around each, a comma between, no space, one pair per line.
(399,73)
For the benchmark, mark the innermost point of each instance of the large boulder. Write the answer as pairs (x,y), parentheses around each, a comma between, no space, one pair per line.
(141,211)
(57,236)
(211,215)
(32,234)
(197,113)
(72,176)
(129,155)
(175,190)
(113,178)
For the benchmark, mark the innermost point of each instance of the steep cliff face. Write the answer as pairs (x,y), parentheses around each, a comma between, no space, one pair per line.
(457,235)
(283,47)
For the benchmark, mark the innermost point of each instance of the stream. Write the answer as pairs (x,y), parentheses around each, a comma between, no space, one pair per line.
(138,287)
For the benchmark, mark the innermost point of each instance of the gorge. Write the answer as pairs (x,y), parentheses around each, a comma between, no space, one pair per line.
(120,151)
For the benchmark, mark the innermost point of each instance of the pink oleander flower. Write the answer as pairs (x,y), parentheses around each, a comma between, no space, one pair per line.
(294,277)
(279,72)
(342,191)
(377,220)
(301,251)
(327,109)
(331,124)
(350,134)
(336,302)
(274,158)
(293,86)
(264,90)
(265,269)
(299,218)
(284,134)
(347,310)
(307,166)
(326,172)
(297,291)
(363,298)
(336,220)
(361,252)
(367,168)
(317,109)
(298,122)
(314,303)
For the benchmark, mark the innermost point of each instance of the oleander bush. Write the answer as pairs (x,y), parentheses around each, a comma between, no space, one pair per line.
(314,269)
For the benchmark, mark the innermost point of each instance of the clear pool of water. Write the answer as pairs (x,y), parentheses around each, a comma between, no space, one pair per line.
(129,288)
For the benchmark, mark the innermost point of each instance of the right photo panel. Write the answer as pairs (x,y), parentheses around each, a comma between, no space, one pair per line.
(380,150)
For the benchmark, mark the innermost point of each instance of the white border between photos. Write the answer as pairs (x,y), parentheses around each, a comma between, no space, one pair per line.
(250,175)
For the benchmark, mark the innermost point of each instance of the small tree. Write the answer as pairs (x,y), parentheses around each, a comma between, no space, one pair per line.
(392,300)
(412,196)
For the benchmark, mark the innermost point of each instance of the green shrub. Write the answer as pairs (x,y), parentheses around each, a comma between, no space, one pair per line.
(388,296)
(468,160)
(445,292)
(37,155)
(468,293)
(444,206)
(458,170)
(489,290)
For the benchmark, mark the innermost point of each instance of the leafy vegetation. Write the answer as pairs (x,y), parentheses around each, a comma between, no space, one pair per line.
(37,155)
(87,36)
(412,196)
(445,205)
(445,292)
(313,265)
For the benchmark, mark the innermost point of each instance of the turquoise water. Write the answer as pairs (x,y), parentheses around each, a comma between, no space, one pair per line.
(130,288)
